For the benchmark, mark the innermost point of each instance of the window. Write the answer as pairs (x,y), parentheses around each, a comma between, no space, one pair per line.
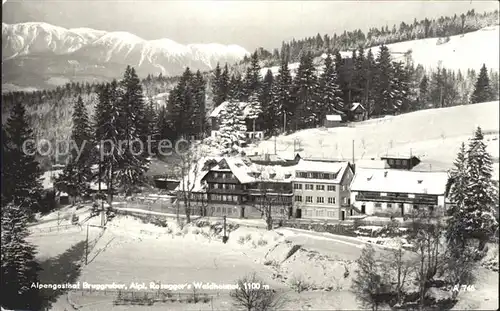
(320,213)
(398,162)
(297,186)
(405,162)
(315,175)
(389,205)
(309,199)
(218,209)
(345,200)
(223,210)
(309,175)
(309,187)
(378,204)
(216,175)
(298,198)
(331,200)
(331,188)
(320,187)
(320,200)
(329,214)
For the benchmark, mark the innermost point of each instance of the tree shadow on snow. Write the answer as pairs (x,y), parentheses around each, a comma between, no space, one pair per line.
(62,269)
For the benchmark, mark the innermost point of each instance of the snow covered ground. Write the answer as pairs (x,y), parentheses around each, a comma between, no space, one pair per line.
(130,250)
(461,52)
(434,135)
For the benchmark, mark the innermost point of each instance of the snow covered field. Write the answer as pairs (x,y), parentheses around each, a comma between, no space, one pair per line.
(434,135)
(130,250)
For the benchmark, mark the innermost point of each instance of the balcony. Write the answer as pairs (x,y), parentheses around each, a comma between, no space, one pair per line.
(398,198)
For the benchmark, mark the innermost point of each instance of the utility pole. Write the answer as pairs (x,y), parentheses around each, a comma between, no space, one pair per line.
(284,123)
(353,151)
(275,145)
(224,238)
(87,245)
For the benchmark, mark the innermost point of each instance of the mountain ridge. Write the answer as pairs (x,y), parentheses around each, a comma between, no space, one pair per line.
(99,55)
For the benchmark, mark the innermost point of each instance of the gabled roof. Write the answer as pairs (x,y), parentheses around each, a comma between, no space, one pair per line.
(337,168)
(356,106)
(334,117)
(399,181)
(399,156)
(194,179)
(217,110)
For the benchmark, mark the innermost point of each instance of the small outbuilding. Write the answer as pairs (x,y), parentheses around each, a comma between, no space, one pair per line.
(333,120)
(358,112)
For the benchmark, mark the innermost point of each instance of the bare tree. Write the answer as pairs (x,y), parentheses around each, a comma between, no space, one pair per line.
(398,269)
(190,170)
(251,295)
(268,199)
(428,242)
(368,283)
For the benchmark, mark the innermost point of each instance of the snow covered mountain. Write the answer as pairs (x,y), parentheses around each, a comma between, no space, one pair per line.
(40,53)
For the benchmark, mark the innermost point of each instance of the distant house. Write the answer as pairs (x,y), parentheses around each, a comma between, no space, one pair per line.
(215,121)
(333,120)
(358,112)
(274,159)
(398,192)
(163,182)
(404,162)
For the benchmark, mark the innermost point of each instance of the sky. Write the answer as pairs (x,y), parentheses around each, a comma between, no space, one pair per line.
(251,23)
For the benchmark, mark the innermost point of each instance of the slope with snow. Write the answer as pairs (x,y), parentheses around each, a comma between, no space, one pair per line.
(461,52)
(433,135)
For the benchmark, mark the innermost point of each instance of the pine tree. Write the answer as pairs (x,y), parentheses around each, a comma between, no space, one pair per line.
(236,88)
(383,80)
(19,267)
(76,176)
(305,87)
(21,170)
(217,87)
(107,134)
(330,95)
(494,83)
(482,89)
(457,187)
(269,117)
(132,129)
(232,129)
(399,89)
(282,100)
(199,109)
(481,195)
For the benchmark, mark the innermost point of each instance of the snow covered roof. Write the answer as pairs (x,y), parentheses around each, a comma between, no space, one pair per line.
(380,164)
(193,180)
(398,156)
(243,105)
(48,178)
(337,168)
(334,117)
(356,105)
(400,181)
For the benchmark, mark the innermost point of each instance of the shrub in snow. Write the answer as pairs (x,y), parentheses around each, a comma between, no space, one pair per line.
(248,237)
(299,284)
(262,242)
(241,240)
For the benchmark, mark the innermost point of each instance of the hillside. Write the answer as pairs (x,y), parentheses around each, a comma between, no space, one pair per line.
(434,135)
(50,55)
(461,52)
